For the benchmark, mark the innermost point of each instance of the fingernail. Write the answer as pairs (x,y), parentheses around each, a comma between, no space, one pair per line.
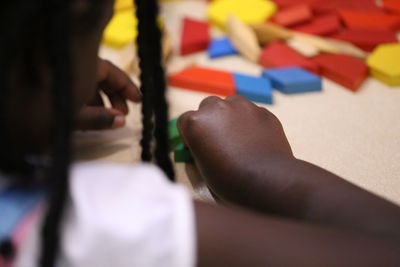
(119,122)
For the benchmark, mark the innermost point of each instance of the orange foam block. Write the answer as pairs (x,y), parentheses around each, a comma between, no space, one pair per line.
(195,36)
(204,80)
(367,39)
(278,54)
(347,71)
(370,20)
(321,25)
(293,15)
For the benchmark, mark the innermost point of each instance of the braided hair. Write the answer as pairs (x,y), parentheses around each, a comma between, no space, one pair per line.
(54,18)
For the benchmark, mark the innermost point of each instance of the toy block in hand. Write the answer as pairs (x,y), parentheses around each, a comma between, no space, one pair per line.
(221,47)
(293,80)
(293,15)
(367,39)
(321,25)
(370,20)
(385,64)
(345,70)
(278,54)
(195,36)
(255,89)
(182,154)
(174,135)
(204,80)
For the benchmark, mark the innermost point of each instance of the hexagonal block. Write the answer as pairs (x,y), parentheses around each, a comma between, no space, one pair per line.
(385,64)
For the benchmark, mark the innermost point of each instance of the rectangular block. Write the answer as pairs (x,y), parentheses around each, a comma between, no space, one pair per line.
(278,54)
(221,47)
(293,80)
(204,80)
(195,36)
(255,89)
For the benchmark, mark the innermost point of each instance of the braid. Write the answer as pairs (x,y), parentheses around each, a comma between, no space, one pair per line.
(58,191)
(152,77)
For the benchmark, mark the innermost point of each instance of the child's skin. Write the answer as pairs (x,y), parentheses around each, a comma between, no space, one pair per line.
(291,212)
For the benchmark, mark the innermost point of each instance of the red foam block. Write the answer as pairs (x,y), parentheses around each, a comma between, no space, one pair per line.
(204,80)
(321,25)
(288,3)
(370,20)
(367,39)
(278,54)
(345,70)
(392,5)
(195,36)
(325,6)
(293,15)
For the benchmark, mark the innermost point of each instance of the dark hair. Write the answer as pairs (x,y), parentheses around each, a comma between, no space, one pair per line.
(56,36)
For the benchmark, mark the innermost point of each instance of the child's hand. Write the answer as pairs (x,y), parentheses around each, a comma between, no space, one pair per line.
(119,88)
(230,139)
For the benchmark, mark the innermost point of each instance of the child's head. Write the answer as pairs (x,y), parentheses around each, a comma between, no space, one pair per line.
(33,34)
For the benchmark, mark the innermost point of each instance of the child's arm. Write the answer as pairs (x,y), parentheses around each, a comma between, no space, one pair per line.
(231,237)
(244,156)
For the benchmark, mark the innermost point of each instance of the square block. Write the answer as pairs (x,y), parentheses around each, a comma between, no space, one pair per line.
(195,36)
(255,89)
(182,154)
(293,80)
(174,135)
(204,80)
(221,47)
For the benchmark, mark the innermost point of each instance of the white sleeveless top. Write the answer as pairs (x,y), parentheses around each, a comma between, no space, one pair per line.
(121,216)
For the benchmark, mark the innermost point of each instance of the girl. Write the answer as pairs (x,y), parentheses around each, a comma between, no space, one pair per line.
(277,210)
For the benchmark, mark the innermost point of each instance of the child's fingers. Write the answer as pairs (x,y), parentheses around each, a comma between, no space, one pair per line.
(183,123)
(99,118)
(112,81)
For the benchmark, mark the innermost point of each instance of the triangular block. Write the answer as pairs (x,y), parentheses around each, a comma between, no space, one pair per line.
(278,54)
(221,47)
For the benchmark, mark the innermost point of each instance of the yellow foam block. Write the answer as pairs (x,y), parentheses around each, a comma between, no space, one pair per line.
(123,4)
(122,29)
(385,63)
(248,11)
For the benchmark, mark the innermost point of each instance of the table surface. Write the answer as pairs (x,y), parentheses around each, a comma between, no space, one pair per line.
(355,135)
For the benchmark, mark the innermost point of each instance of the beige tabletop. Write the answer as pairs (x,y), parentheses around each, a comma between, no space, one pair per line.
(355,135)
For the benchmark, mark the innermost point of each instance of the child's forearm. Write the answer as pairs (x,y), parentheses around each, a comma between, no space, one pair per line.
(231,237)
(297,189)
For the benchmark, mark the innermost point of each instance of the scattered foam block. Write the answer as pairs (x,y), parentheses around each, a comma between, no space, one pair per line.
(182,154)
(385,64)
(195,36)
(321,25)
(248,11)
(392,5)
(367,39)
(345,70)
(174,135)
(253,88)
(243,38)
(278,54)
(293,15)
(331,6)
(289,3)
(370,20)
(204,80)
(293,80)
(220,48)
(121,30)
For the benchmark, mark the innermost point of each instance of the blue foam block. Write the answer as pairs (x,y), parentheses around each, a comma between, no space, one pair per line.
(255,89)
(221,47)
(293,80)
